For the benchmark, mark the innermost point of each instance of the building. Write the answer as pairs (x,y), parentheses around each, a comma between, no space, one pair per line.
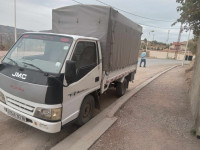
(182,46)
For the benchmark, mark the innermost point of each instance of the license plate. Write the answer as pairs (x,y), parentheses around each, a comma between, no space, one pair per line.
(15,115)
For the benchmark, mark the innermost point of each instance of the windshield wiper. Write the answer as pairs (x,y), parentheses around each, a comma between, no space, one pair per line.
(13,61)
(46,74)
(34,67)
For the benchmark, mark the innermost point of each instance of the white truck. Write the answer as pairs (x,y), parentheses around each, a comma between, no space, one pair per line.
(50,79)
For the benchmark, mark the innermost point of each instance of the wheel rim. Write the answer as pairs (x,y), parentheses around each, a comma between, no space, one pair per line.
(87,110)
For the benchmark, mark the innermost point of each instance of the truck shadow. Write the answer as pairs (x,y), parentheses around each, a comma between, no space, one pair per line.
(27,137)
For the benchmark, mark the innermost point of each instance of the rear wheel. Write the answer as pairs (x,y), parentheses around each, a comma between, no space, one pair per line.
(86,110)
(121,88)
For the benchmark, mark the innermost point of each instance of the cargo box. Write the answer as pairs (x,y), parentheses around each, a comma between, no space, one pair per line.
(119,36)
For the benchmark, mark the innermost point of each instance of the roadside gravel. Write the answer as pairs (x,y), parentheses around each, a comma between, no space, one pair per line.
(156,118)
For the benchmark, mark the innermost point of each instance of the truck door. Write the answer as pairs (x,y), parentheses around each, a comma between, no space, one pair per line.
(88,78)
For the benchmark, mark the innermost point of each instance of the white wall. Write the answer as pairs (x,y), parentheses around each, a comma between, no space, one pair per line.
(165,55)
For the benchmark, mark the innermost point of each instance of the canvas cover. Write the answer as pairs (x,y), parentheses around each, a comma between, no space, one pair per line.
(119,36)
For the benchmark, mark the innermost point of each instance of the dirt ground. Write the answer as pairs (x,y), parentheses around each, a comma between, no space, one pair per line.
(189,71)
(142,75)
(18,136)
(156,118)
(2,53)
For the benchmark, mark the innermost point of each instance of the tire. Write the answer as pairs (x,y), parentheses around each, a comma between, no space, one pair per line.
(86,110)
(121,88)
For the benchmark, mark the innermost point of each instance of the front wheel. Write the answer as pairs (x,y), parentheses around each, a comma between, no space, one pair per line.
(86,110)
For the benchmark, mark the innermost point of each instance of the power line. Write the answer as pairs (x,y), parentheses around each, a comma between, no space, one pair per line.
(158,27)
(78,2)
(134,14)
(126,11)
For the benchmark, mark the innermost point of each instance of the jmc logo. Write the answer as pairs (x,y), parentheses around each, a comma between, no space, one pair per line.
(20,75)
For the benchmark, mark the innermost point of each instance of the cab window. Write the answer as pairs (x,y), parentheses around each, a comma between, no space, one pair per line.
(85,56)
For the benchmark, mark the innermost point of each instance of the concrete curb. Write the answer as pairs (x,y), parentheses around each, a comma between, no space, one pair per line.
(86,141)
(87,135)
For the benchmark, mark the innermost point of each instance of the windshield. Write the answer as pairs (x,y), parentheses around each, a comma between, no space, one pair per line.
(44,52)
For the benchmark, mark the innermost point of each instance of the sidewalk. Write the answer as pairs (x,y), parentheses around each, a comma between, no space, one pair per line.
(156,118)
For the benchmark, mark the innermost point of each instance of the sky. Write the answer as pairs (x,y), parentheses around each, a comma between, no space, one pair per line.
(36,15)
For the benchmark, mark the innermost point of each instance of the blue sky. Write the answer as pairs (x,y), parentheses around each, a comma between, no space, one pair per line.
(36,15)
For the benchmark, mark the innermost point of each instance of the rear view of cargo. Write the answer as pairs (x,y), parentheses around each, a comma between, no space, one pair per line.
(119,36)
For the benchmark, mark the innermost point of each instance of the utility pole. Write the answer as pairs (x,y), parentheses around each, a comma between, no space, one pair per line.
(168,37)
(148,39)
(186,48)
(153,41)
(178,41)
(167,42)
(153,36)
(15,20)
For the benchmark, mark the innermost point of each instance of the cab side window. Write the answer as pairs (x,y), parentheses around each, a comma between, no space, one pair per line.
(85,56)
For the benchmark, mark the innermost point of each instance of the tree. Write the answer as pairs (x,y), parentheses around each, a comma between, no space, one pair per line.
(190,15)
(143,47)
(154,42)
(192,46)
(145,40)
(167,46)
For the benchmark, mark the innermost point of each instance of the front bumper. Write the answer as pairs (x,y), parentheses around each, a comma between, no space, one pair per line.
(50,127)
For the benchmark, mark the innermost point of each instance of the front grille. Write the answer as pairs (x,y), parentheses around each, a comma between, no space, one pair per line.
(20,106)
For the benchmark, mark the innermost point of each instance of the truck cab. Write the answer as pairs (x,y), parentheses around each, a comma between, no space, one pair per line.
(48,80)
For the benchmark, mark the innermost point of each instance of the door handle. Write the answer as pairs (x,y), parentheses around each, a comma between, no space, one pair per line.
(96,79)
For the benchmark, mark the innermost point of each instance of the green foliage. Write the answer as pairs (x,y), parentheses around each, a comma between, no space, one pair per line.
(190,14)
(193,131)
(142,46)
(167,46)
(154,42)
(192,46)
(145,40)
(159,43)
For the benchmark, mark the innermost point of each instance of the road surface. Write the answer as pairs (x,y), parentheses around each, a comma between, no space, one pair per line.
(155,62)
(18,136)
(156,118)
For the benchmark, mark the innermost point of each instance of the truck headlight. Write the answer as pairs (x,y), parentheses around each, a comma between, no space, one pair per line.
(48,114)
(2,97)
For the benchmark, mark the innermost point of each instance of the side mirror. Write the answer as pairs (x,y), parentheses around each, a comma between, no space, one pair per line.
(70,71)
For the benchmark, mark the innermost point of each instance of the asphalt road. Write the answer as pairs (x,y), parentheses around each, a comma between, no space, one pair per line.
(18,136)
(155,62)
